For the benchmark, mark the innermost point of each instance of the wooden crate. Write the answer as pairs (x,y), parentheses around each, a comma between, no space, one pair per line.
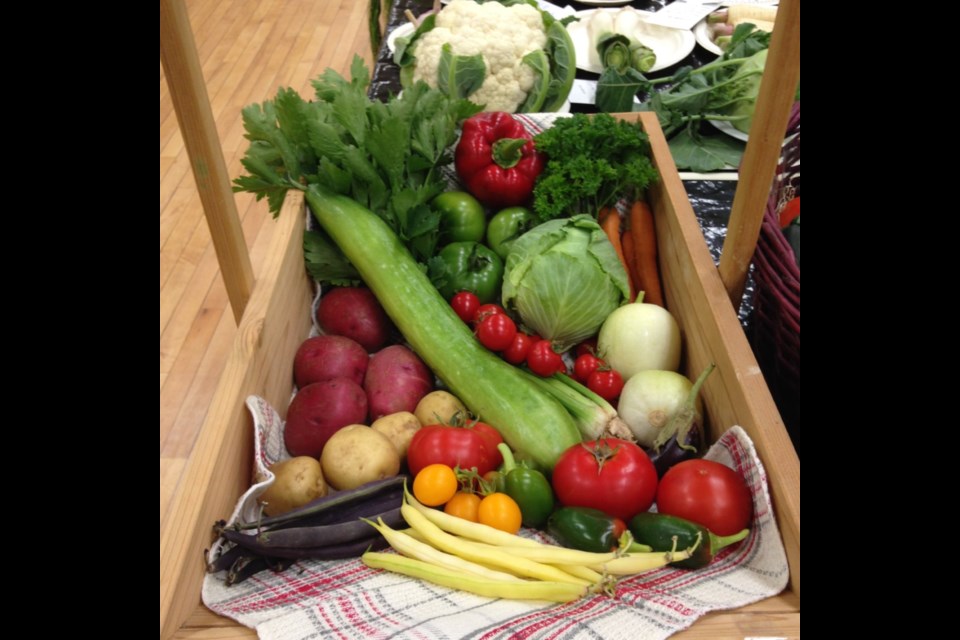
(277,319)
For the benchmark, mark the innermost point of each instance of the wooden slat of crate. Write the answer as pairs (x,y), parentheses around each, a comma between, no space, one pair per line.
(278,319)
(275,323)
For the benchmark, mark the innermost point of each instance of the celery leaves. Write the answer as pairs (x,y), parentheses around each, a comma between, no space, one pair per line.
(386,156)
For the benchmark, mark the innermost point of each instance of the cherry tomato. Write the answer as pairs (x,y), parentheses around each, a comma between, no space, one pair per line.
(708,493)
(464,505)
(452,446)
(517,352)
(584,365)
(435,484)
(500,511)
(496,332)
(612,475)
(465,305)
(587,346)
(543,360)
(485,310)
(606,383)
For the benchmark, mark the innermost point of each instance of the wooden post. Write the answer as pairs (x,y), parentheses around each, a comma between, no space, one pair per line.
(181,65)
(777,90)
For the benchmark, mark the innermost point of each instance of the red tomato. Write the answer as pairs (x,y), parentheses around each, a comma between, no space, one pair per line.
(452,446)
(496,332)
(612,475)
(708,493)
(606,383)
(584,365)
(491,437)
(543,360)
(465,305)
(517,352)
(485,310)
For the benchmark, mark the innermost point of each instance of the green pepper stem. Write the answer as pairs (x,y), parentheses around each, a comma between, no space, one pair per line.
(509,463)
(507,152)
(719,542)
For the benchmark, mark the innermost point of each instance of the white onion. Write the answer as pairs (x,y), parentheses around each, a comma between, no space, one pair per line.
(640,336)
(649,399)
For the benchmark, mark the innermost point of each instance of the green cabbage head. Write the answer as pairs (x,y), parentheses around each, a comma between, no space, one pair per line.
(563,278)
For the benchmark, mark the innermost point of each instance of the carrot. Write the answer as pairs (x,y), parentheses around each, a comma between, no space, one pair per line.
(611,226)
(630,257)
(645,247)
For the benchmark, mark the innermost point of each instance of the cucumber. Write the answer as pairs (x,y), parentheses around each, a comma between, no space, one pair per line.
(529,420)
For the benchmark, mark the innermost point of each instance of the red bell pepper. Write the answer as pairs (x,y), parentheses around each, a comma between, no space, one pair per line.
(496,159)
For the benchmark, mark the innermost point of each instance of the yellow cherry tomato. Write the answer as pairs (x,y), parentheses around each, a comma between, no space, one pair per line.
(500,511)
(464,505)
(435,485)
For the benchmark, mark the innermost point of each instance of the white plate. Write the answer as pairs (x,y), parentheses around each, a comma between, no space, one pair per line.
(670,45)
(604,3)
(405,29)
(729,129)
(702,33)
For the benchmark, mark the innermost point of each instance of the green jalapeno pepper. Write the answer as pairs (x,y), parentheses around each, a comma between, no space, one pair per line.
(658,530)
(529,488)
(589,530)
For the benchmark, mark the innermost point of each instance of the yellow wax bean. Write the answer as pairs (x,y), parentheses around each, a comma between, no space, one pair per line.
(484,554)
(522,590)
(413,548)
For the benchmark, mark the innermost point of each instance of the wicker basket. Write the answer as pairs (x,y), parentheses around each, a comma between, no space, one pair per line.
(776,313)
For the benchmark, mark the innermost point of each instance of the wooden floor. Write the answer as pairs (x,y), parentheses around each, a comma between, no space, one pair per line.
(247,49)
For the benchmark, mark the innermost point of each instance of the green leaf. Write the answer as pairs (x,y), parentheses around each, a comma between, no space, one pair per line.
(538,61)
(325,262)
(563,66)
(403,54)
(388,144)
(460,76)
(350,111)
(705,153)
(325,139)
(616,90)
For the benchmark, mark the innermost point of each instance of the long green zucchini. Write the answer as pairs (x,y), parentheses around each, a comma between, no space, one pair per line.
(529,419)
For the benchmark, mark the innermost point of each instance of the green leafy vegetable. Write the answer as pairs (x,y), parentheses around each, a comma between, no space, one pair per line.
(386,156)
(592,162)
(724,90)
(617,89)
(564,278)
(460,76)
(538,61)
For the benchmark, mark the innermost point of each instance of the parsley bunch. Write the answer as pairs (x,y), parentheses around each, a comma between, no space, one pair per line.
(592,162)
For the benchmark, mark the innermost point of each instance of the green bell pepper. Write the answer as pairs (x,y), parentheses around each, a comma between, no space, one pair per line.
(462,217)
(589,530)
(470,266)
(529,488)
(506,226)
(659,530)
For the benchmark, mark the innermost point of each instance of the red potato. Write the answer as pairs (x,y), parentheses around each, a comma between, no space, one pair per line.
(328,357)
(396,381)
(355,313)
(318,411)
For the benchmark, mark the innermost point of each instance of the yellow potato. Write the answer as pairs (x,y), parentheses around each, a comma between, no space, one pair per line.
(399,428)
(356,455)
(440,407)
(298,481)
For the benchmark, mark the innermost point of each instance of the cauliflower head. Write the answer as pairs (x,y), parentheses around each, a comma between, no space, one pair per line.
(502,35)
